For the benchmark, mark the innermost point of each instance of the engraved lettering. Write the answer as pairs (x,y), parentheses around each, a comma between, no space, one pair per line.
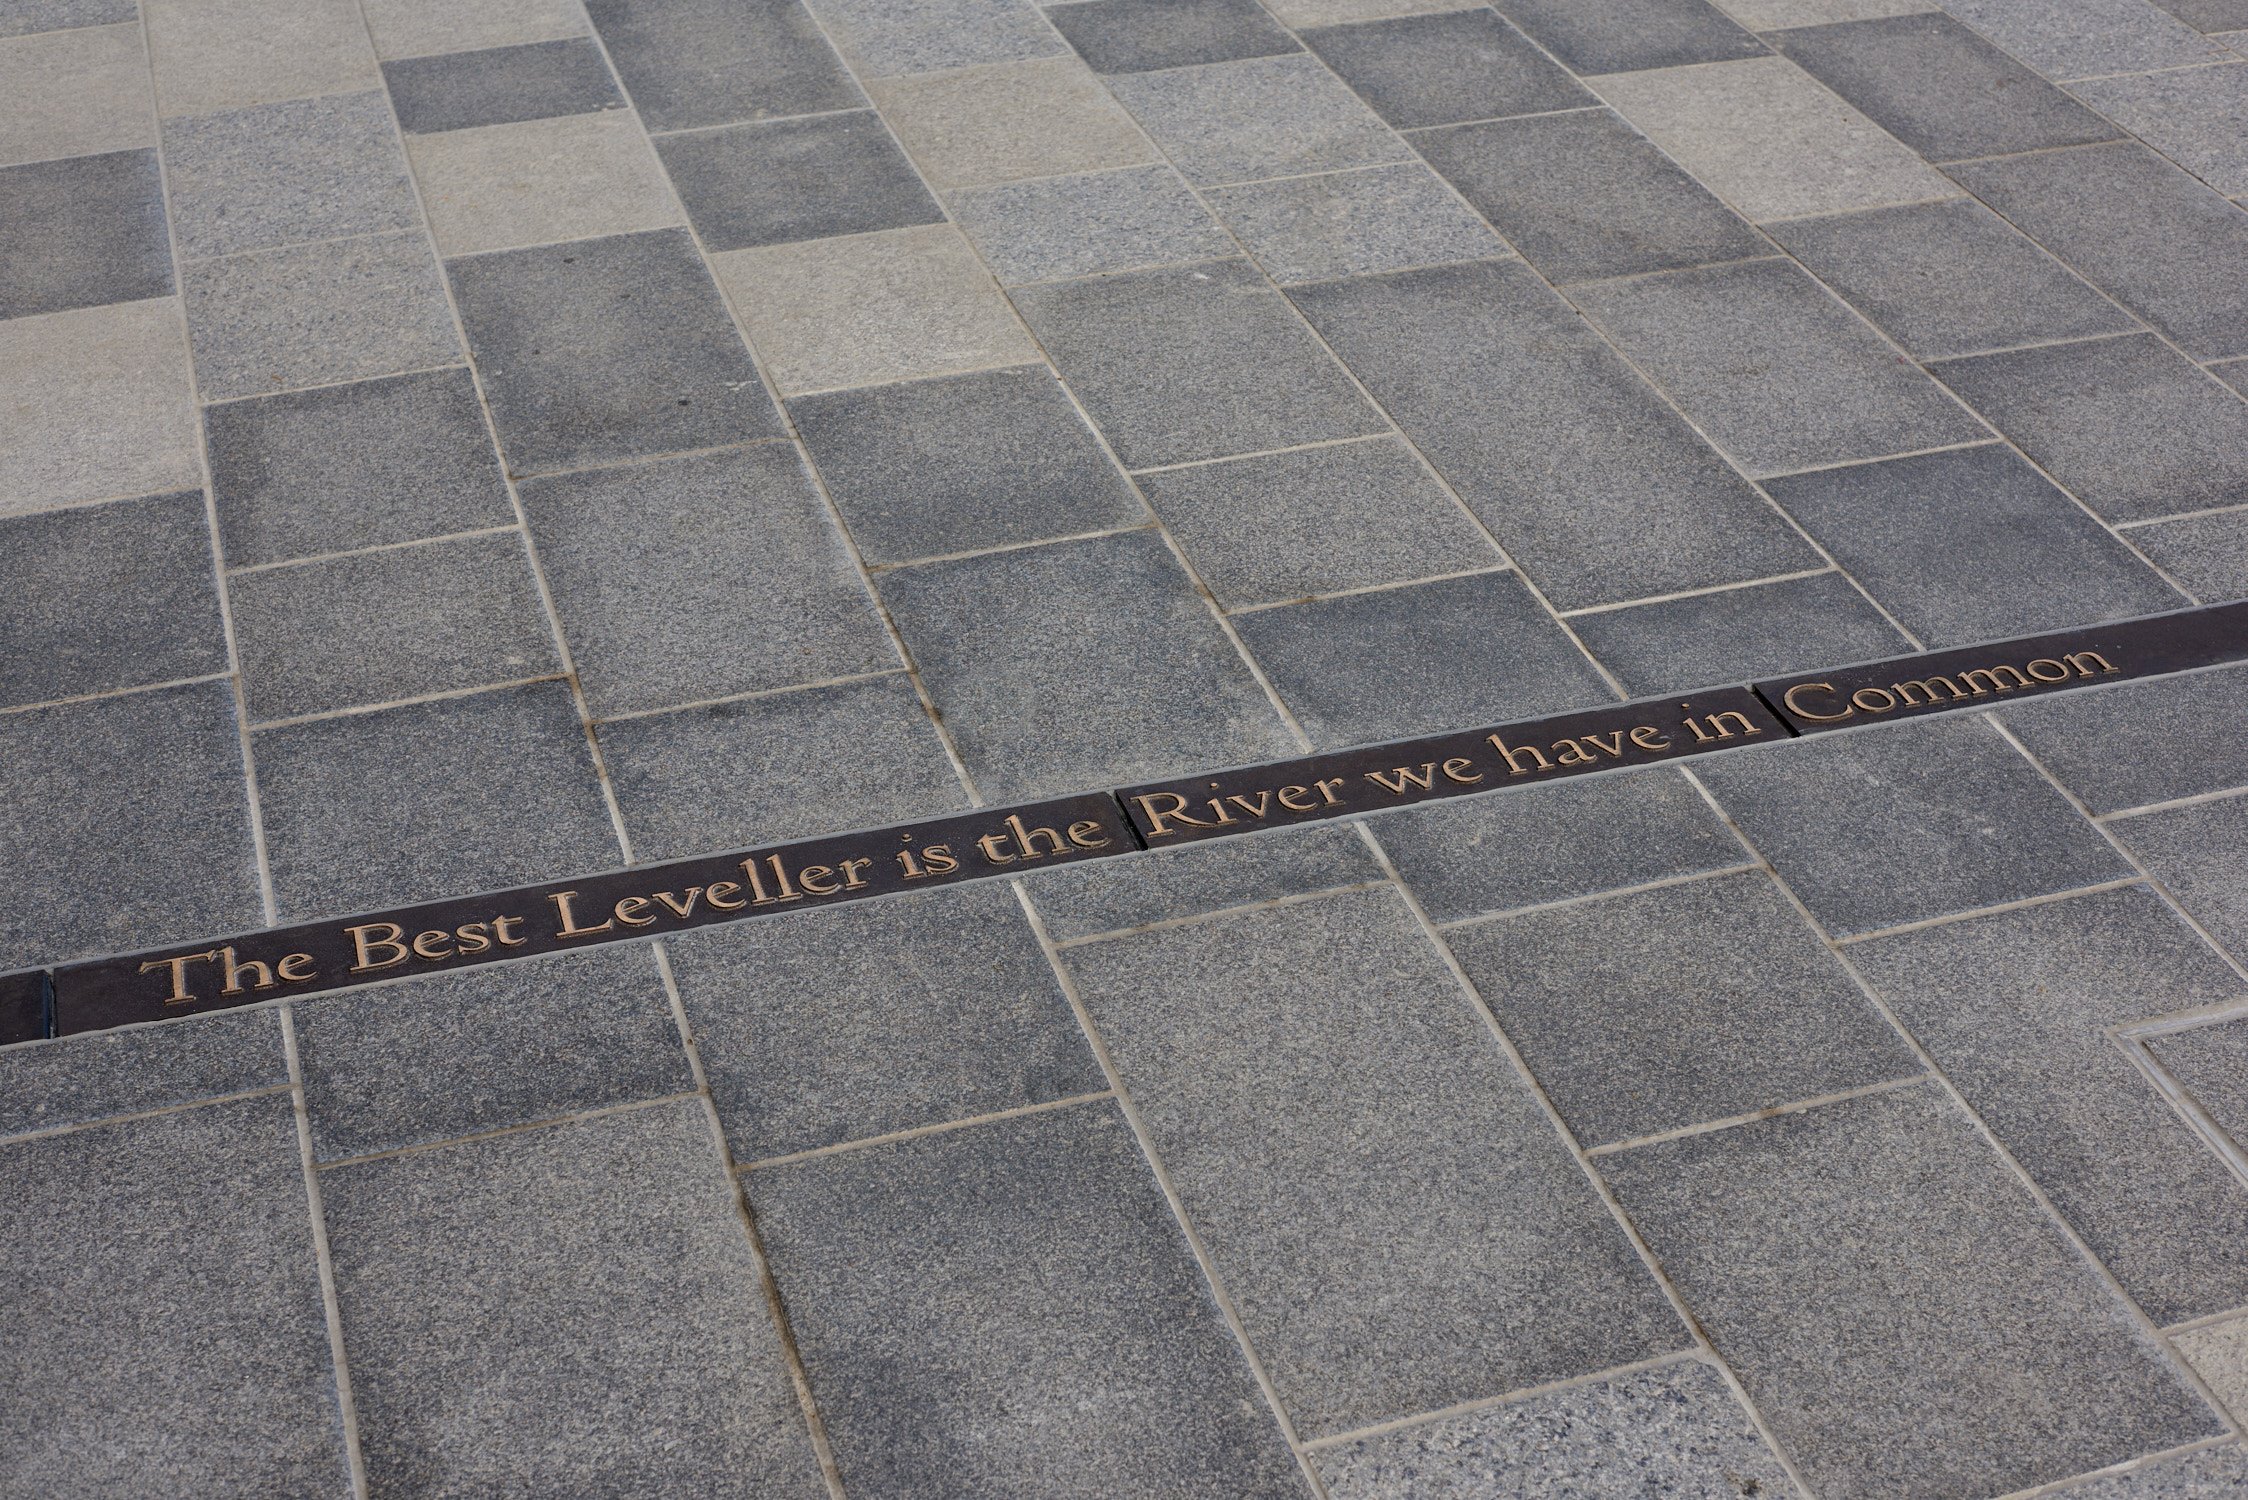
(725,895)
(1615,745)
(1176,812)
(1088,835)
(940,858)
(1648,737)
(364,942)
(433,945)
(1462,770)
(677,907)
(1289,794)
(1926,689)
(633,911)
(1990,675)
(1873,700)
(817,880)
(1514,765)
(989,845)
(1801,712)
(1026,838)
(506,928)
(296,968)
(1395,782)
(851,878)
(2077,659)
(2059,672)
(180,992)
(473,938)
(570,927)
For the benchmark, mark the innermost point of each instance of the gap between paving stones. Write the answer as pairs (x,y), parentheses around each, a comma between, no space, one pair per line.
(680,895)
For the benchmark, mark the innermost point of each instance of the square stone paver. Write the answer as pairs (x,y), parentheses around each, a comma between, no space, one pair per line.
(1140,36)
(1085,900)
(416,28)
(888,38)
(690,63)
(74,93)
(1434,70)
(2200,854)
(223,54)
(2208,555)
(2084,739)
(534,183)
(1354,223)
(501,85)
(1265,117)
(1042,118)
(82,232)
(778,181)
(1057,228)
(96,1075)
(1621,36)
(282,174)
(1737,635)
(2089,38)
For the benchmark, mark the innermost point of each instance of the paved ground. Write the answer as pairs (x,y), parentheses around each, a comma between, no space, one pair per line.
(446,444)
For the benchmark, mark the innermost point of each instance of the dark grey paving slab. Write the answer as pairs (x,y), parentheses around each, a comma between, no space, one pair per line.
(281,174)
(1353,223)
(529,1311)
(1764,630)
(2088,38)
(1194,363)
(1972,544)
(1938,87)
(375,627)
(22,17)
(432,799)
(1286,525)
(2207,1474)
(460,1054)
(1944,816)
(1595,487)
(1439,69)
(1264,117)
(962,463)
(604,350)
(1131,676)
(2129,426)
(2208,15)
(1137,36)
(81,232)
(75,1080)
(164,1303)
(1671,1431)
(1773,368)
(1897,1307)
(2014,1009)
(1414,660)
(162,852)
(1010,1311)
(1948,278)
(1055,228)
(107,596)
(1392,1215)
(1583,195)
(1550,843)
(699,577)
(1677,1006)
(1163,885)
(1622,36)
(776,181)
(704,62)
(2095,742)
(2208,554)
(316,314)
(2200,854)
(876,1018)
(2211,1061)
(889,38)
(778,766)
(2139,229)
(501,85)
(350,466)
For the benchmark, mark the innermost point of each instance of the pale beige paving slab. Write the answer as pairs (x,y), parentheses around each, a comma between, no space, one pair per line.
(2218,1353)
(417,28)
(74,93)
(1769,139)
(536,182)
(1010,120)
(220,54)
(95,402)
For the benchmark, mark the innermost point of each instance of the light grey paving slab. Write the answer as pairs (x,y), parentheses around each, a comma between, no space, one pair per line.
(773,181)
(1618,36)
(1940,88)
(530,1310)
(1041,118)
(164,1301)
(433,799)
(417,28)
(1263,117)
(2014,1009)
(1534,844)
(689,63)
(1674,1431)
(1138,36)
(1286,525)
(702,576)
(1301,13)
(501,85)
(2134,430)
(1898,1309)
(487,1049)
(536,182)
(2219,1355)
(1677,1006)
(22,17)
(350,466)
(886,1016)
(1010,1311)
(99,404)
(2082,38)
(1426,657)
(1131,676)
(884,38)
(962,463)
(2207,554)
(1583,195)
(1353,223)
(1057,228)
(2136,227)
(777,766)
(1949,278)
(75,1080)
(1770,141)
(102,597)
(2207,1474)
(2091,741)
(211,55)
(1594,486)
(1764,630)
(1394,1219)
(1438,69)
(375,627)
(1772,15)
(607,350)
(163,853)
(318,314)
(1773,368)
(2208,15)
(1972,544)
(1161,885)
(75,93)
(282,174)
(1944,815)
(2211,1061)
(1194,363)
(82,232)
(2200,854)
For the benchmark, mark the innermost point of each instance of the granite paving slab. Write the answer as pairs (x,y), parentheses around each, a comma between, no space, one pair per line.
(83,231)
(1440,69)
(78,92)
